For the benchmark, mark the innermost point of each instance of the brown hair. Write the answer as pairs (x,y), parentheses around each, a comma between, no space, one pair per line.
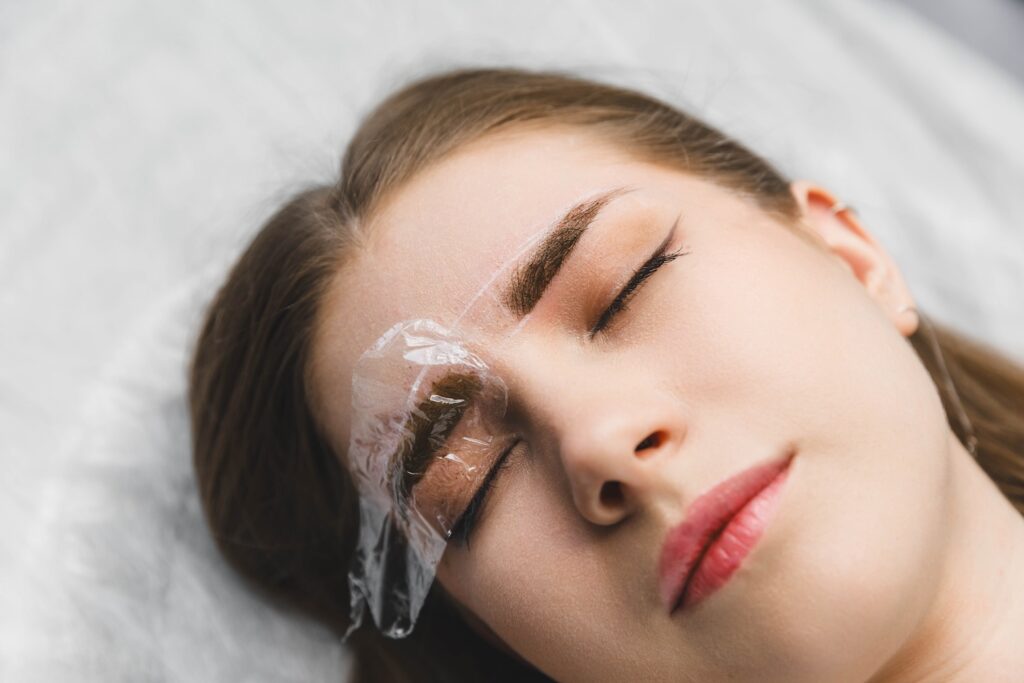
(282,509)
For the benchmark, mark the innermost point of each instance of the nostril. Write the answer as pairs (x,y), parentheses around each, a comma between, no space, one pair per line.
(653,440)
(611,494)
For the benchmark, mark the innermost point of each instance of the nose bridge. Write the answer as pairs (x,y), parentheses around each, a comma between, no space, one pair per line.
(608,423)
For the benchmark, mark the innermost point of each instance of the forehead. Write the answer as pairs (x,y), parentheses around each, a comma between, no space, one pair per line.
(449,229)
(442,237)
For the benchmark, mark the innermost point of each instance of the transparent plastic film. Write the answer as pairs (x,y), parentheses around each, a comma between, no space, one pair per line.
(427,424)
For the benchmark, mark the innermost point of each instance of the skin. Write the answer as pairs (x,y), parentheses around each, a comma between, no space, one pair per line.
(891,557)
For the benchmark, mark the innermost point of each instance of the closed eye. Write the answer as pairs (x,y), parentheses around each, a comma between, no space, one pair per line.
(467,521)
(660,257)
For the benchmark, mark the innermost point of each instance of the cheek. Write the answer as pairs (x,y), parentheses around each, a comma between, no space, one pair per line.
(531,575)
(763,328)
(792,348)
(528,533)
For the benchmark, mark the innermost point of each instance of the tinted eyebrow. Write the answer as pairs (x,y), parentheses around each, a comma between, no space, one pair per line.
(428,427)
(530,279)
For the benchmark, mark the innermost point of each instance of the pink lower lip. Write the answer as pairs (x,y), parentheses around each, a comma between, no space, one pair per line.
(725,555)
(726,550)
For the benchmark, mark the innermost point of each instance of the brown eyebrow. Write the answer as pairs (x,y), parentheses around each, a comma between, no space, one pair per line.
(529,280)
(428,428)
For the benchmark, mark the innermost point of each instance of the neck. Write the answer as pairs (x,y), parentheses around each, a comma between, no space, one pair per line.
(972,631)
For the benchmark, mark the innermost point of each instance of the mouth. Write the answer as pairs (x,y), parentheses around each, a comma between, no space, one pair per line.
(721,527)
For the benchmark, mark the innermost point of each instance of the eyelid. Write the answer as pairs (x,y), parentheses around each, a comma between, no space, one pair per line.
(463,527)
(449,399)
(660,257)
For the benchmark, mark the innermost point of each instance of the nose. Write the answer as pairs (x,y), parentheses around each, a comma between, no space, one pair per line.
(612,422)
(616,451)
(613,428)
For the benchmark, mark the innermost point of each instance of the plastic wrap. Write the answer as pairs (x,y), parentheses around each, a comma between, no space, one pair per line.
(421,399)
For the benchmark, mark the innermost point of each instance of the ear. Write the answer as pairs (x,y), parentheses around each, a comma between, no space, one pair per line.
(857,251)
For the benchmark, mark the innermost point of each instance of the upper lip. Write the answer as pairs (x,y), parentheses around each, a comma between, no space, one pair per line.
(706,517)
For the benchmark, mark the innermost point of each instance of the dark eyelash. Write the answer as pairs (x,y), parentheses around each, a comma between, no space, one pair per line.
(643,272)
(469,518)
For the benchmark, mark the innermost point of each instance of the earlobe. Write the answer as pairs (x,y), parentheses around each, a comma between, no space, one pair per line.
(839,230)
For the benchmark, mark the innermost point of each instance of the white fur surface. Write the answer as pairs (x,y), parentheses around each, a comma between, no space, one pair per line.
(143,144)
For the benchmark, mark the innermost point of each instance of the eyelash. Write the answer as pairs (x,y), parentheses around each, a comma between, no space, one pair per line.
(461,530)
(645,271)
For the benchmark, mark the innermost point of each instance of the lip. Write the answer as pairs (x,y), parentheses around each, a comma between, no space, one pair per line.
(720,529)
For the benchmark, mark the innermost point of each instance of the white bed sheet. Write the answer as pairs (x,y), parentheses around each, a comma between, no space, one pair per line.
(143,144)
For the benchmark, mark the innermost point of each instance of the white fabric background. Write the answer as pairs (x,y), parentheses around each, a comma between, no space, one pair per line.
(141,144)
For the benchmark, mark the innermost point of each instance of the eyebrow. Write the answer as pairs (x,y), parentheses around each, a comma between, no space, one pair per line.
(428,428)
(530,279)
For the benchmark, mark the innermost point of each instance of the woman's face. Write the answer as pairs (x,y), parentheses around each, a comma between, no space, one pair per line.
(753,345)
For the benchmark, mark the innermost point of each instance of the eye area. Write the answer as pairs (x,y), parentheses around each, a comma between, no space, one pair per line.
(469,519)
(660,257)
